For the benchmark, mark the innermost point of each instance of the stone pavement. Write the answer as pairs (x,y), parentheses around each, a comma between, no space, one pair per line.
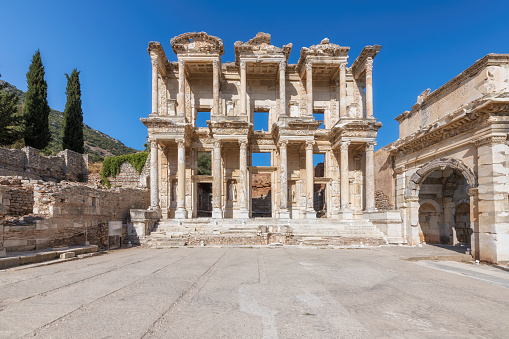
(285,292)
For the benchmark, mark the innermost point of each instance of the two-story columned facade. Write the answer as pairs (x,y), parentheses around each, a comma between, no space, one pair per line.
(319,106)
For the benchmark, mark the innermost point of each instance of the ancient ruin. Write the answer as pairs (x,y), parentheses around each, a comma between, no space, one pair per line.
(448,171)
(317,106)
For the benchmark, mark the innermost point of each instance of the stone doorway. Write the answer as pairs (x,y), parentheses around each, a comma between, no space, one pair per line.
(462,223)
(204,206)
(319,200)
(261,195)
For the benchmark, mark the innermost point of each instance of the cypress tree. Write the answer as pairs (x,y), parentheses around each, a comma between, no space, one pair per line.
(10,129)
(36,110)
(72,127)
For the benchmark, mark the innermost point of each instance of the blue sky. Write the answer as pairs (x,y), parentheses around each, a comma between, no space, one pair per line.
(424,44)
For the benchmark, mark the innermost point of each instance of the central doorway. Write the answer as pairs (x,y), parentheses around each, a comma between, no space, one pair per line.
(204,208)
(261,195)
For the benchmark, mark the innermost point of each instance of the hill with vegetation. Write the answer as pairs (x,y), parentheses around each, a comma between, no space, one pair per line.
(97,144)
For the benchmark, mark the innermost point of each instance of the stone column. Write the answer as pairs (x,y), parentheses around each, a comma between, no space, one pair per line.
(309,88)
(282,86)
(181,96)
(243,192)
(310,210)
(154,175)
(345,177)
(215,87)
(370,177)
(3,210)
(474,222)
(155,86)
(412,214)
(217,182)
(283,170)
(369,88)
(243,88)
(342,90)
(448,230)
(181,212)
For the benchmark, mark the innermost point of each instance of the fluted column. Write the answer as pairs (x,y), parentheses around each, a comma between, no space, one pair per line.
(369,88)
(342,90)
(154,175)
(243,192)
(282,87)
(181,96)
(370,176)
(345,177)
(243,88)
(215,87)
(283,170)
(181,212)
(310,213)
(155,86)
(217,212)
(309,88)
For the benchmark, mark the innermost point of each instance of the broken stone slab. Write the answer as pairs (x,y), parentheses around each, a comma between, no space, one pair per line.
(67,255)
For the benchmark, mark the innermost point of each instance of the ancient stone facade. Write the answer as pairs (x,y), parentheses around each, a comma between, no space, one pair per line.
(29,163)
(448,171)
(298,98)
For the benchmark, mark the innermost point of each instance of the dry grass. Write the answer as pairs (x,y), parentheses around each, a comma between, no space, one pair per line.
(95,167)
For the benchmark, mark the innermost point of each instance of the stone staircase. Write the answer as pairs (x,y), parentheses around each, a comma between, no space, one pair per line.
(264,231)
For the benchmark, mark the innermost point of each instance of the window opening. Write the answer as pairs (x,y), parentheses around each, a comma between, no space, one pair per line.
(320,117)
(319,165)
(201,119)
(261,121)
(260,159)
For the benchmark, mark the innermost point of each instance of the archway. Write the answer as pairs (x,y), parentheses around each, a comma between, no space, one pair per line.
(429,226)
(462,223)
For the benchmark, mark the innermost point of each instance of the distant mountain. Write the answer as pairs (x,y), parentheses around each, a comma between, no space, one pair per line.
(97,144)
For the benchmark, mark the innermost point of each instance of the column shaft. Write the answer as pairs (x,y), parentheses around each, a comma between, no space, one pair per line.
(283,198)
(342,90)
(243,88)
(282,87)
(181,96)
(309,180)
(309,88)
(154,175)
(369,88)
(181,212)
(215,87)
(217,181)
(345,180)
(155,86)
(243,192)
(370,177)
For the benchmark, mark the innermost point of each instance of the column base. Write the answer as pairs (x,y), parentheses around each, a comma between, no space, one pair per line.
(217,214)
(311,214)
(243,214)
(345,215)
(284,214)
(181,213)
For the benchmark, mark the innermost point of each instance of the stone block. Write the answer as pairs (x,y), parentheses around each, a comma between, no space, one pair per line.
(67,255)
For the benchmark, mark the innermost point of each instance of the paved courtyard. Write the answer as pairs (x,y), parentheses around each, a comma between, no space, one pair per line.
(280,292)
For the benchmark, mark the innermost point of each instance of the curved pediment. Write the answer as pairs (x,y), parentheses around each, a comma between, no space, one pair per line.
(260,46)
(197,43)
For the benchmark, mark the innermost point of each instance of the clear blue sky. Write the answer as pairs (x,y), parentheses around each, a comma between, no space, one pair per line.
(424,44)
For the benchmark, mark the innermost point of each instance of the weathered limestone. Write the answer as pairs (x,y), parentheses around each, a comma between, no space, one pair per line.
(243,88)
(310,213)
(181,212)
(155,86)
(342,90)
(283,198)
(370,177)
(181,99)
(309,88)
(154,176)
(369,88)
(345,177)
(282,87)
(243,192)
(217,211)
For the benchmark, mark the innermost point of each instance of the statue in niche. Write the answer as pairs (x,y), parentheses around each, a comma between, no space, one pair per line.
(232,191)
(174,191)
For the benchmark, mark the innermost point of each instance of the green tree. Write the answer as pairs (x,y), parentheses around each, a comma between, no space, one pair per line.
(72,127)
(36,110)
(10,121)
(204,163)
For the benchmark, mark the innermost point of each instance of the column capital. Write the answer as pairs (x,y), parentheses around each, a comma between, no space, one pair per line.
(155,61)
(282,143)
(181,142)
(215,63)
(182,63)
(243,143)
(243,65)
(369,65)
(344,145)
(217,143)
(342,66)
(309,66)
(310,144)
(282,65)
(370,145)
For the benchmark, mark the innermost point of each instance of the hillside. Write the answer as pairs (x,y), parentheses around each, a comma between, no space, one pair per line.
(97,144)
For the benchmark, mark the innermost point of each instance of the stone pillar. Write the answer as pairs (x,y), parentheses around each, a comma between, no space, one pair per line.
(342,90)
(283,170)
(282,87)
(181,96)
(345,177)
(154,175)
(310,210)
(369,88)
(155,86)
(412,214)
(3,210)
(217,182)
(370,177)
(448,231)
(243,88)
(474,222)
(243,192)
(181,212)
(215,87)
(493,212)
(309,88)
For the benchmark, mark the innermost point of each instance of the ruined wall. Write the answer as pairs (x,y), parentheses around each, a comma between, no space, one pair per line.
(129,176)
(384,179)
(30,164)
(62,213)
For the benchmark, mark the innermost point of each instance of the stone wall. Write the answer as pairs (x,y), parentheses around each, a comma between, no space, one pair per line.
(62,213)
(384,179)
(129,176)
(30,164)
